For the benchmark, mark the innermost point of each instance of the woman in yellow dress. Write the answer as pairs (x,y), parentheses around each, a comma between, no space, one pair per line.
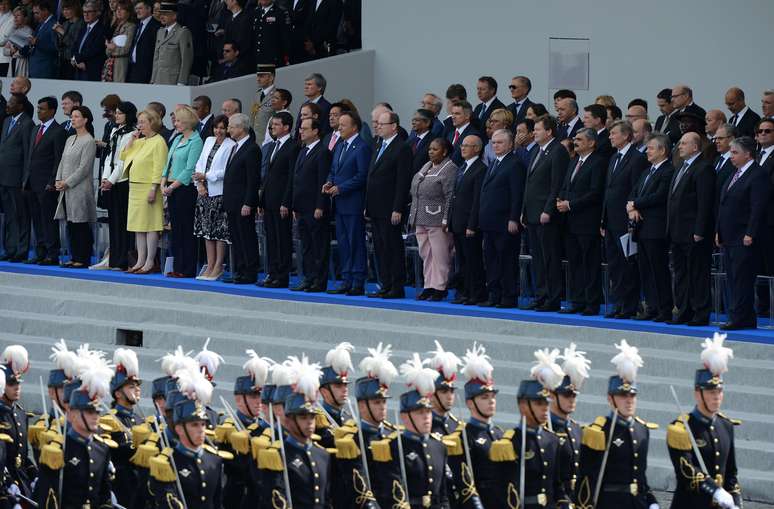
(144,159)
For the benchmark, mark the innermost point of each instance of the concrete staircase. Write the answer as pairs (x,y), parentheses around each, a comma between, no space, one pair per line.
(35,311)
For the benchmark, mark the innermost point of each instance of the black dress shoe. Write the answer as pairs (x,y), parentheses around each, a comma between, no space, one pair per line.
(506,305)
(17,259)
(378,294)
(32,261)
(301,286)
(698,323)
(341,290)
(547,308)
(245,280)
(48,262)
(571,311)
(356,291)
(425,294)
(624,315)
(438,295)
(663,318)
(611,314)
(677,321)
(315,288)
(590,312)
(487,304)
(276,283)
(642,317)
(398,293)
(738,326)
(535,304)
(460,300)
(265,281)
(5,258)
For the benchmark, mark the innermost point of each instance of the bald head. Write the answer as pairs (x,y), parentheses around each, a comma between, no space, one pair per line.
(682,96)
(471,147)
(636,112)
(376,113)
(642,130)
(735,100)
(714,118)
(689,146)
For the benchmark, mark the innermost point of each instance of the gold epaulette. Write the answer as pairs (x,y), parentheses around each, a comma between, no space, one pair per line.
(161,468)
(4,437)
(677,437)
(223,431)
(35,430)
(240,441)
(348,428)
(262,441)
(52,454)
(453,443)
(48,436)
(252,427)
(649,425)
(346,448)
(502,450)
(593,435)
(225,455)
(735,422)
(140,433)
(105,439)
(270,459)
(381,450)
(110,423)
(321,420)
(145,452)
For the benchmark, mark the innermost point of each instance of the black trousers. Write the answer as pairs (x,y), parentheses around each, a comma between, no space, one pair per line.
(390,253)
(741,263)
(244,244)
(118,208)
(14,212)
(653,264)
(182,207)
(766,263)
(40,209)
(279,244)
(500,250)
(692,262)
(470,254)
(624,276)
(584,259)
(315,247)
(81,242)
(545,246)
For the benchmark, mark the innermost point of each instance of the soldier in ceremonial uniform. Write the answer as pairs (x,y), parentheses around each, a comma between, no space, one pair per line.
(282,378)
(543,484)
(414,450)
(334,388)
(7,491)
(713,433)
(209,362)
(307,465)
(446,363)
(197,466)
(272,33)
(562,406)
(65,361)
(624,480)
(261,110)
(13,419)
(159,392)
(75,470)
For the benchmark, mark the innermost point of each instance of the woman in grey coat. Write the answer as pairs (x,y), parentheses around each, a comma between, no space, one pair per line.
(74,181)
(431,194)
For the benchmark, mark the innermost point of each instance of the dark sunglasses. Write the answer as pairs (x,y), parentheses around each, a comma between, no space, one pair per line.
(765,131)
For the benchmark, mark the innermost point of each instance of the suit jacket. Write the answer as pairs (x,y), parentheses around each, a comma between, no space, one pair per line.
(226,72)
(277,185)
(564,133)
(521,114)
(299,16)
(420,156)
(585,194)
(349,171)
(691,203)
(469,130)
(144,47)
(481,119)
(43,159)
(271,33)
(619,186)
(322,24)
(671,129)
(604,147)
(242,178)
(44,55)
(389,179)
(172,56)
(467,196)
(650,198)
(742,208)
(722,174)
(309,174)
(92,53)
(544,182)
(768,167)
(502,192)
(325,108)
(14,147)
(205,131)
(745,125)
(240,30)
(695,109)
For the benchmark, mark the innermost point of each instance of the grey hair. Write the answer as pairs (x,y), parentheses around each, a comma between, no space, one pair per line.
(745,144)
(625,127)
(319,80)
(729,129)
(589,134)
(769,92)
(239,120)
(437,102)
(573,104)
(96,5)
(505,132)
(662,140)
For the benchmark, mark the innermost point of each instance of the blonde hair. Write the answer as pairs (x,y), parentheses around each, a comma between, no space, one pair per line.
(605,100)
(504,116)
(153,119)
(187,116)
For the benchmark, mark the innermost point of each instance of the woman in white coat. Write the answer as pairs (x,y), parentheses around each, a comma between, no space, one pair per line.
(210,219)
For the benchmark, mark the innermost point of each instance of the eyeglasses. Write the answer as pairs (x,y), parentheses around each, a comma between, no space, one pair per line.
(765,131)
(512,87)
(678,95)
(89,11)
(723,137)
(385,123)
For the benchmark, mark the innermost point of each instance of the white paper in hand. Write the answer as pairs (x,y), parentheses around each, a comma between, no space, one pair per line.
(120,40)
(628,246)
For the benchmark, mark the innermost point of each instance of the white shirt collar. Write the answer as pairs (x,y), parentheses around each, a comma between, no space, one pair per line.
(741,114)
(766,153)
(46,125)
(462,128)
(241,142)
(235,14)
(500,158)
(624,150)
(92,25)
(350,139)
(583,158)
(745,167)
(691,159)
(422,136)
(205,119)
(489,103)
(315,100)
(170,27)
(386,142)
(268,90)
(532,144)
(283,139)
(542,147)
(571,123)
(469,162)
(657,166)
(312,145)
(725,155)
(145,21)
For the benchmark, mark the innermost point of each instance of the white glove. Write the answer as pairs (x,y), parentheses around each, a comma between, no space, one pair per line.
(723,498)
(653,506)
(14,490)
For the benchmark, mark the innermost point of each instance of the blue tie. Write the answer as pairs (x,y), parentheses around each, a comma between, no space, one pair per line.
(343,151)
(617,161)
(11,125)
(647,177)
(85,36)
(492,168)
(381,150)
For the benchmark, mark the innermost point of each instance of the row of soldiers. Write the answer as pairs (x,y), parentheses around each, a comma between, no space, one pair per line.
(292,438)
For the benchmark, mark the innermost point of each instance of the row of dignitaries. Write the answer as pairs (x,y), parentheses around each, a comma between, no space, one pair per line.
(297,440)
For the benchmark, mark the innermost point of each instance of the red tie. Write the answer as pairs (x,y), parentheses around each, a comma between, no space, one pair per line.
(334,139)
(575,171)
(456,137)
(39,136)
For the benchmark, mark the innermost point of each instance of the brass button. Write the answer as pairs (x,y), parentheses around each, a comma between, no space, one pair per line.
(204,498)
(204,484)
(430,467)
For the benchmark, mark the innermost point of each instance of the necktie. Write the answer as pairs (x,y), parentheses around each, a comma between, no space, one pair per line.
(39,136)
(85,36)
(276,149)
(680,174)
(618,158)
(334,139)
(461,174)
(11,125)
(343,151)
(721,161)
(67,125)
(647,177)
(381,151)
(231,154)
(537,158)
(734,119)
(262,96)
(735,178)
(575,171)
(137,36)
(492,168)
(482,112)
(456,137)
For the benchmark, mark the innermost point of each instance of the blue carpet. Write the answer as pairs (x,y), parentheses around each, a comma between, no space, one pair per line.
(760,335)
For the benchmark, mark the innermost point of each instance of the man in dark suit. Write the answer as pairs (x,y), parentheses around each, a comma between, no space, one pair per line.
(15,141)
(346,185)
(239,30)
(433,104)
(623,173)
(461,113)
(667,123)
(765,137)
(454,94)
(468,240)
(524,140)
(569,120)
(520,88)
(40,197)
(321,28)
(89,48)
(241,182)
(595,117)
(741,221)
(311,207)
(545,175)
(742,117)
(275,202)
(502,192)
(299,17)
(233,65)
(387,188)
(376,112)
(420,138)
(202,105)
(314,88)
(580,201)
(143,43)
(647,207)
(486,89)
(682,101)
(70,100)
(723,166)
(271,33)
(43,50)
(690,226)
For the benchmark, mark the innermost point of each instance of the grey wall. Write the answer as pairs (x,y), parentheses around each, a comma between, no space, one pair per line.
(636,49)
